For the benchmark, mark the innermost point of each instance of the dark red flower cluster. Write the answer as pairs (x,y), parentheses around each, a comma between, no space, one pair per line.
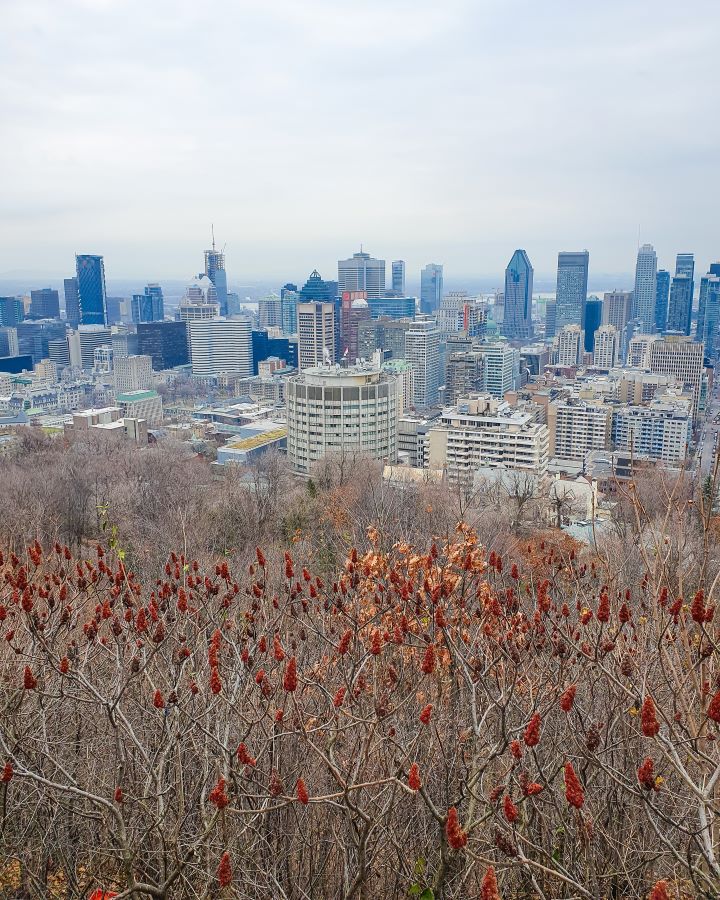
(301,791)
(218,796)
(414,777)
(456,837)
(290,680)
(225,870)
(532,732)
(574,793)
(568,698)
(489,887)
(646,775)
(648,718)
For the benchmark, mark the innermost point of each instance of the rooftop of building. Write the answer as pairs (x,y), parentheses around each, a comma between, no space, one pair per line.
(132,396)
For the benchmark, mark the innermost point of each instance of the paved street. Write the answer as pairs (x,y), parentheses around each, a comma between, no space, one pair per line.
(708,436)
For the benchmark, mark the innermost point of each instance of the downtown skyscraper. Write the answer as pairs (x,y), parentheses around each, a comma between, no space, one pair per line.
(91,289)
(645,293)
(517,321)
(431,288)
(215,271)
(572,282)
(362,272)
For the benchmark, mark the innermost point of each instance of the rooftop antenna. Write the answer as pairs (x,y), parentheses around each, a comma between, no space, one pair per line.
(212,231)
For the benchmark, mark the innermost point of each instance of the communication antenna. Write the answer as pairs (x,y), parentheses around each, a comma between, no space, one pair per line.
(212,232)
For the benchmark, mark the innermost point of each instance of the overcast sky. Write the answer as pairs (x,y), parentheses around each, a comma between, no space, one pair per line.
(429,130)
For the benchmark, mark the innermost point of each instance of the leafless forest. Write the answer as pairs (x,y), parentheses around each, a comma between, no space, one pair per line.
(250,686)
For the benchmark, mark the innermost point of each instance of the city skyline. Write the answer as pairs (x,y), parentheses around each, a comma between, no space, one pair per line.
(119,143)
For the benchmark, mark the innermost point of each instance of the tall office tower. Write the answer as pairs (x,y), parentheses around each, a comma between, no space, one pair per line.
(685,265)
(215,271)
(502,368)
(59,352)
(617,309)
(12,311)
(220,345)
(9,342)
(315,288)
(270,311)
(422,351)
(288,288)
(362,273)
(83,343)
(662,297)
(550,319)
(133,373)
(91,289)
(517,317)
(288,310)
(115,307)
(593,319)
(34,336)
(607,345)
(317,338)
(149,306)
(431,288)
(384,334)
(571,293)
(166,343)
(680,306)
(568,345)
(72,302)
(398,277)
(708,319)
(45,304)
(353,311)
(645,289)
(344,410)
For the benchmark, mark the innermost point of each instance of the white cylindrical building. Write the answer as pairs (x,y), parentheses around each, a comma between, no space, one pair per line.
(341,410)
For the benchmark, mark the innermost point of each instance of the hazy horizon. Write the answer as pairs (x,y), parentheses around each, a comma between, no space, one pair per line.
(449,133)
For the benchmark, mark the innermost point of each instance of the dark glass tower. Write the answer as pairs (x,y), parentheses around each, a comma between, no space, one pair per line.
(150,306)
(662,295)
(91,288)
(593,318)
(72,302)
(165,342)
(316,289)
(517,321)
(45,304)
(680,306)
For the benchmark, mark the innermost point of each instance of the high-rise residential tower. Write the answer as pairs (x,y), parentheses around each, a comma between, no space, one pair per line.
(398,277)
(317,333)
(431,288)
(593,320)
(645,289)
(517,322)
(91,289)
(708,320)
(362,273)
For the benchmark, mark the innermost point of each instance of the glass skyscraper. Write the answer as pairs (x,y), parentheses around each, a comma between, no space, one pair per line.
(572,282)
(72,302)
(662,296)
(91,289)
(150,306)
(593,319)
(680,306)
(398,277)
(431,288)
(517,319)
